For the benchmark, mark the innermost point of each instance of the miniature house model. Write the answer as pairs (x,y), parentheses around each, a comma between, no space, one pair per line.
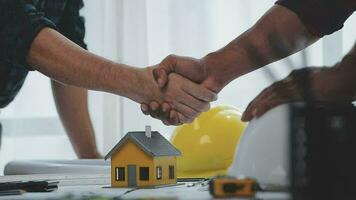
(143,159)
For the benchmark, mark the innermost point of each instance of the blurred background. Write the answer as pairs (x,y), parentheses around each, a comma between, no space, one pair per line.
(142,33)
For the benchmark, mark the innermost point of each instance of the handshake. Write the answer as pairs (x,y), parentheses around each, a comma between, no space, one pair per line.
(176,90)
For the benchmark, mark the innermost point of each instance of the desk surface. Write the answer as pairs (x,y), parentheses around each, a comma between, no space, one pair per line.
(93,192)
(78,185)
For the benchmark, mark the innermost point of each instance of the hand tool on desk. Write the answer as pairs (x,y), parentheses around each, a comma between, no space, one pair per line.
(11,192)
(227,186)
(29,186)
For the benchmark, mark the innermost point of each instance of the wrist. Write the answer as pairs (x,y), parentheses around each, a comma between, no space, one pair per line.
(221,68)
(134,83)
(215,80)
(117,78)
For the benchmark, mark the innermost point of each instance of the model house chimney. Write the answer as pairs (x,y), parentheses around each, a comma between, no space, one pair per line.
(148,131)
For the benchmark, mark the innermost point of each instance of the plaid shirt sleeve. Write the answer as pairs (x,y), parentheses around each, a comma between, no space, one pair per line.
(72,24)
(20,23)
(321,17)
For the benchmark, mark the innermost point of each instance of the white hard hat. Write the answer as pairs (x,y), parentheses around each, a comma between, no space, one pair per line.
(263,152)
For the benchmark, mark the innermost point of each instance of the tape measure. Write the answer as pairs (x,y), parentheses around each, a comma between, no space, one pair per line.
(227,186)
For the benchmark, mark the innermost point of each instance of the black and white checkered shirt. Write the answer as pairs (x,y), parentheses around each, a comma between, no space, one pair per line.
(20,22)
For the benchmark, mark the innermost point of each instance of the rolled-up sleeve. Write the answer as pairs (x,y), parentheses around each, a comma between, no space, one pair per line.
(20,23)
(321,17)
(72,24)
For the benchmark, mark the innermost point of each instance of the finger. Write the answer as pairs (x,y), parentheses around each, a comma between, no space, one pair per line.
(185,113)
(280,94)
(199,92)
(183,119)
(161,73)
(174,118)
(161,77)
(281,88)
(165,122)
(267,105)
(193,103)
(248,114)
(165,111)
(255,107)
(166,108)
(286,90)
(155,109)
(160,112)
(145,109)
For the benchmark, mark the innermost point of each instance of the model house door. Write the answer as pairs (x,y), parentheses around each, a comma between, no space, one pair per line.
(131,175)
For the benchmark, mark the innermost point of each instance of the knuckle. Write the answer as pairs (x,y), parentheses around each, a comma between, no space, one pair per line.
(200,106)
(187,115)
(166,123)
(210,97)
(171,57)
(185,120)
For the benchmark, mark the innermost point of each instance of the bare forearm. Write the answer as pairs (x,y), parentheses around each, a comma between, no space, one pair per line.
(277,34)
(57,57)
(72,107)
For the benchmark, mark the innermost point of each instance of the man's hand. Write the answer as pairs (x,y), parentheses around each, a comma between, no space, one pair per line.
(185,97)
(192,69)
(289,89)
(331,85)
(277,34)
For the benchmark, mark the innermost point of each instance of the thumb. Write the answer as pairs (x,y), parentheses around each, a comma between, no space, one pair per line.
(166,67)
(160,76)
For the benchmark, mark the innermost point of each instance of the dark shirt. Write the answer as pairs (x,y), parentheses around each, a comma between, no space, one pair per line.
(321,17)
(20,22)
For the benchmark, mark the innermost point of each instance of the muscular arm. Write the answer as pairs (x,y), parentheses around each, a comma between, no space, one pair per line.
(278,33)
(60,59)
(72,106)
(57,57)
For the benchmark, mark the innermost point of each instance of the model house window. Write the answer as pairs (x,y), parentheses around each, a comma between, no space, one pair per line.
(171,172)
(144,173)
(120,173)
(159,173)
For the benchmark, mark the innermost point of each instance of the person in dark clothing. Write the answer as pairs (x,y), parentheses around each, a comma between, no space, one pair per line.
(17,31)
(48,36)
(288,27)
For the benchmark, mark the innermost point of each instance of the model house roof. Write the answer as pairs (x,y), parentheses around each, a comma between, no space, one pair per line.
(156,145)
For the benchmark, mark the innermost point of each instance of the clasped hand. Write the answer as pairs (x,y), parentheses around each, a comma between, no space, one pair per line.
(178,97)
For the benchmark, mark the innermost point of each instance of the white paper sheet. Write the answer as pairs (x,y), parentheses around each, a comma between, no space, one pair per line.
(84,166)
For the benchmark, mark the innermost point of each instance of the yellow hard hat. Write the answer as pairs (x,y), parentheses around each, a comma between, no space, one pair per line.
(208,144)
